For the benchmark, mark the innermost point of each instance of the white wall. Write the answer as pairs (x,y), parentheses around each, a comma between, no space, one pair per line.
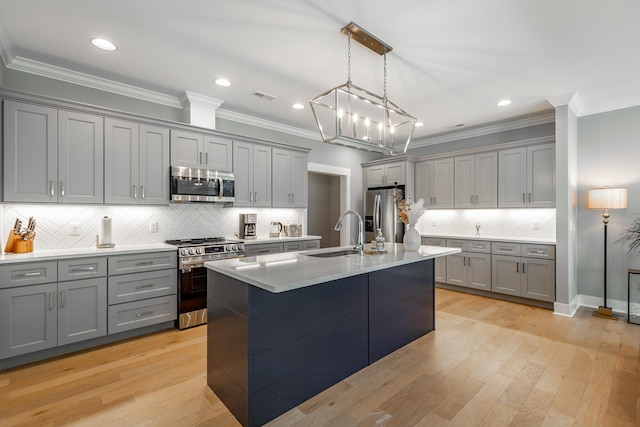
(608,155)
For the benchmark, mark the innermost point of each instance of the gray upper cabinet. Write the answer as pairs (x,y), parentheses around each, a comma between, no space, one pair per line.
(197,150)
(136,163)
(385,174)
(289,179)
(476,181)
(252,171)
(218,154)
(51,155)
(527,177)
(435,183)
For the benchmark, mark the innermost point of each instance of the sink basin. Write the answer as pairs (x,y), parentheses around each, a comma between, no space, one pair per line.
(341,252)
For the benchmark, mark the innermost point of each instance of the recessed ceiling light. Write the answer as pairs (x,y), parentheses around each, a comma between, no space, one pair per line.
(298,106)
(222,82)
(504,102)
(419,124)
(103,44)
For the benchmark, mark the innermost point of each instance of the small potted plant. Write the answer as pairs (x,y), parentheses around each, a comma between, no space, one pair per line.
(631,236)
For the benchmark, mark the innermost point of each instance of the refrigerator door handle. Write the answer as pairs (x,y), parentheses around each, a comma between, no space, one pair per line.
(376,212)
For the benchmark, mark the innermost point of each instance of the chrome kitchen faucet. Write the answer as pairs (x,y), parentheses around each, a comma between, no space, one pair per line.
(338,227)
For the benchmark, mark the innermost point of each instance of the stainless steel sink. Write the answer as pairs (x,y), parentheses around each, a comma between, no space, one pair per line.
(341,252)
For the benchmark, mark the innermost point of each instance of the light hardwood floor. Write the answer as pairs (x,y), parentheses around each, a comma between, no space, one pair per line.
(489,363)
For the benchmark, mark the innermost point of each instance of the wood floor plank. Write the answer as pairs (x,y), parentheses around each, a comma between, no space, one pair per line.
(488,363)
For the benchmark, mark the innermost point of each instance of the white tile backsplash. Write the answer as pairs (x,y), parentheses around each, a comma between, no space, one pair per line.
(507,223)
(131,223)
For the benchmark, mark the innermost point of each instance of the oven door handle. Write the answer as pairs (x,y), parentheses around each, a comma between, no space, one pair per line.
(187,266)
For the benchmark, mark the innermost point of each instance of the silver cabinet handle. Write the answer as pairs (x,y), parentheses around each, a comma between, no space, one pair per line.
(293,198)
(62,188)
(201,157)
(469,263)
(145,313)
(50,300)
(141,191)
(62,299)
(517,267)
(529,197)
(79,269)
(135,191)
(464,261)
(255,196)
(472,199)
(477,247)
(148,285)
(53,188)
(523,272)
(33,273)
(206,158)
(144,262)
(477,199)
(523,199)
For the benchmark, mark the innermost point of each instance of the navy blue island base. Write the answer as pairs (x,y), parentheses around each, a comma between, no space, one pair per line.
(269,352)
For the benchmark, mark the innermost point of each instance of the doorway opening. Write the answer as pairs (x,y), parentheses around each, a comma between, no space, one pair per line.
(328,197)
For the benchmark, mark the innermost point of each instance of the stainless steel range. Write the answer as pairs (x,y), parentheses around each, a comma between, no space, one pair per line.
(192,275)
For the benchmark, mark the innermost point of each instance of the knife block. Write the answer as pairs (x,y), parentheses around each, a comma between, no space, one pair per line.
(16,244)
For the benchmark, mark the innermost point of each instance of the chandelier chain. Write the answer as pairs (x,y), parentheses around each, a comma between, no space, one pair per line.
(349,58)
(384,87)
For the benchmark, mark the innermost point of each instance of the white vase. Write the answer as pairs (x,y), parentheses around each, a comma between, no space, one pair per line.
(411,239)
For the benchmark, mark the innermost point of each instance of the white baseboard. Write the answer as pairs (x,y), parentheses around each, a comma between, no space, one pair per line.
(570,310)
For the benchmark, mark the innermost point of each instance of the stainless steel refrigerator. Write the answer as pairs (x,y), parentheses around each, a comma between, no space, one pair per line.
(381,211)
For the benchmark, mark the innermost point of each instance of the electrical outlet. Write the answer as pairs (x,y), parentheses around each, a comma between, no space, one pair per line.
(75,229)
(536,225)
(434,224)
(153,227)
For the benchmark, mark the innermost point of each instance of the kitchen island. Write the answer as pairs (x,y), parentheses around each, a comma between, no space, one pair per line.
(284,327)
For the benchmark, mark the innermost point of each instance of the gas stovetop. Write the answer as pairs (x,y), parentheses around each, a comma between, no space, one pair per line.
(207,249)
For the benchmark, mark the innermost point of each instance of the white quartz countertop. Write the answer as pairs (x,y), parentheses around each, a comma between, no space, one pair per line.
(45,255)
(294,270)
(546,241)
(266,239)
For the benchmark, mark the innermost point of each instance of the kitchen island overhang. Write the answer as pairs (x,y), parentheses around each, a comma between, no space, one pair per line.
(284,327)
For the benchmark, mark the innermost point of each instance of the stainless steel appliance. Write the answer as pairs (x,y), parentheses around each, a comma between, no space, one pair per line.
(201,185)
(192,275)
(275,228)
(381,211)
(247,226)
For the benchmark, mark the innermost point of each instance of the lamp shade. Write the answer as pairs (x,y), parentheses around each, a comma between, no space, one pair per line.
(607,198)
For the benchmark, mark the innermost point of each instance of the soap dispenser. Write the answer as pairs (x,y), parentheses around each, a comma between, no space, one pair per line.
(379,240)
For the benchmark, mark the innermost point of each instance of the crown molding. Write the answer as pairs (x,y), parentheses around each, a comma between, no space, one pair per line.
(485,130)
(266,124)
(571,99)
(192,98)
(6,50)
(58,73)
(612,106)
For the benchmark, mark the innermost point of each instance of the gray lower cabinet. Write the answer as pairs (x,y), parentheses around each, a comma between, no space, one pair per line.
(36,317)
(254,249)
(54,303)
(440,262)
(142,290)
(525,270)
(471,267)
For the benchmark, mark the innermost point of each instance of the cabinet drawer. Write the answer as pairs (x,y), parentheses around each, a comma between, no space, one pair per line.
(134,287)
(292,246)
(479,246)
(500,248)
(124,264)
(301,245)
(137,314)
(263,249)
(28,273)
(539,251)
(430,241)
(82,268)
(312,244)
(460,244)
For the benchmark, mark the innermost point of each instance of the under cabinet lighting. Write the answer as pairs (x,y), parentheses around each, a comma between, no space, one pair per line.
(103,44)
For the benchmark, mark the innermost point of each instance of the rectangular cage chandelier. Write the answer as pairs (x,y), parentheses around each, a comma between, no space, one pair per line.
(354,117)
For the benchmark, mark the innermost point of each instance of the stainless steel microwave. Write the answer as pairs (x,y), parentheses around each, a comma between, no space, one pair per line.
(201,185)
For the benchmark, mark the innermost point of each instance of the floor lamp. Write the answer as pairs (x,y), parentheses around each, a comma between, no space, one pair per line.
(606,198)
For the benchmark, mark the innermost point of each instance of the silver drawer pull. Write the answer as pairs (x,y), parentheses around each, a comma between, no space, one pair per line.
(505,249)
(148,285)
(477,247)
(35,273)
(145,313)
(144,262)
(538,252)
(77,269)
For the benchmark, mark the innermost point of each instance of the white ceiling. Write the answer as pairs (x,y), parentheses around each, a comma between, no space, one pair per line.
(451,60)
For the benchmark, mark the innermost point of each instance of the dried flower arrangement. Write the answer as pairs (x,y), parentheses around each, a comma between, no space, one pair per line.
(409,212)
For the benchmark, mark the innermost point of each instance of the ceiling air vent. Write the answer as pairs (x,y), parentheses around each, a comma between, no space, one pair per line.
(265,96)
